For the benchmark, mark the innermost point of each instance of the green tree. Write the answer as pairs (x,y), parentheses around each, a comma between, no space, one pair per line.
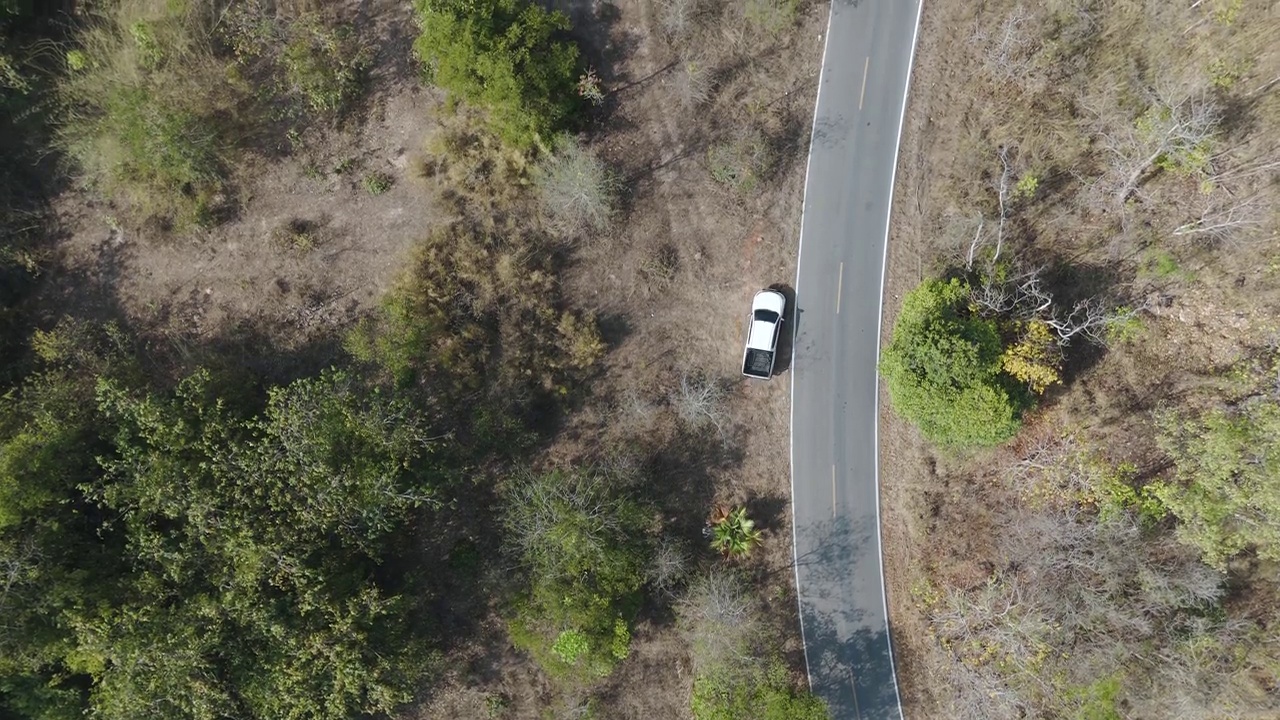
(943,369)
(763,692)
(1226,489)
(582,541)
(506,57)
(257,537)
(179,554)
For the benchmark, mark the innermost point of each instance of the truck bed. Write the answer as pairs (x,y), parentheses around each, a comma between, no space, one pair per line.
(758,363)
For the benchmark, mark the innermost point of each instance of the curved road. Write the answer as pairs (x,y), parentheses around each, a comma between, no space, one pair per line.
(844,230)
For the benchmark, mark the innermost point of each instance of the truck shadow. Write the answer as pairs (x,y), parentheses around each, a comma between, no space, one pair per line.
(786,340)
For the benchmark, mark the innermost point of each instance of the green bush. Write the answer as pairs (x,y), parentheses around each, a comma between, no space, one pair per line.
(760,693)
(943,369)
(143,97)
(771,16)
(733,534)
(740,163)
(582,542)
(506,57)
(162,149)
(1226,488)
(377,183)
(324,65)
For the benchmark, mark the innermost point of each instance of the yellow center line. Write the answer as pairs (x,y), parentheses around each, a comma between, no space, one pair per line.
(833,492)
(866,66)
(839,287)
(853,684)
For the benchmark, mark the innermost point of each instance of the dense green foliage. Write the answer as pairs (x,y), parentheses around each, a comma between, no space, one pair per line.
(1226,490)
(763,693)
(211,551)
(506,56)
(582,541)
(182,556)
(943,368)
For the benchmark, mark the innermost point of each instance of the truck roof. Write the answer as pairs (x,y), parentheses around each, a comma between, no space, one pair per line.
(761,336)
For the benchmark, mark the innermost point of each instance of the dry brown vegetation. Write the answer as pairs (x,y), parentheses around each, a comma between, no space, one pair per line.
(1125,151)
(667,277)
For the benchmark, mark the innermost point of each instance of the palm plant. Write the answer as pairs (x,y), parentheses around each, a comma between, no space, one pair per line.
(732,532)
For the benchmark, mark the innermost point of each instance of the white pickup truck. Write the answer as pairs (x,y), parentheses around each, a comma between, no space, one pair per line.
(763,328)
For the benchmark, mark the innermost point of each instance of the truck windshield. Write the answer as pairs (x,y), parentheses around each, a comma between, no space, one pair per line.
(768,316)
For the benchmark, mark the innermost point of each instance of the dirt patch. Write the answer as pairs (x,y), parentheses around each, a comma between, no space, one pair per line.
(309,249)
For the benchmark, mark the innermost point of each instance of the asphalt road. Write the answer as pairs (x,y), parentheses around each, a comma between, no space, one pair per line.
(834,466)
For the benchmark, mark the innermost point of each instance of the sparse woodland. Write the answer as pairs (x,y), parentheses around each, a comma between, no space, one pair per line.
(1080,478)
(314,467)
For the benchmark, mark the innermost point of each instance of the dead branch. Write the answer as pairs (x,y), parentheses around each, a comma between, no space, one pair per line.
(1176,121)
(1221,223)
(1002,193)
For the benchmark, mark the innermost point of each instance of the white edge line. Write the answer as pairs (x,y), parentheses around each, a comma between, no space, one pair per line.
(884,267)
(795,324)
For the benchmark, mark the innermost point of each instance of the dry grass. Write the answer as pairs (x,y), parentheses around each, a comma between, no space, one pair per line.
(1067,88)
(576,189)
(253,276)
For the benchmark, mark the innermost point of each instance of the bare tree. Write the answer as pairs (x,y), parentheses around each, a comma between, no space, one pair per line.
(1088,318)
(545,511)
(699,402)
(1003,203)
(1223,221)
(1024,297)
(719,618)
(1177,126)
(669,565)
(1010,51)
(576,189)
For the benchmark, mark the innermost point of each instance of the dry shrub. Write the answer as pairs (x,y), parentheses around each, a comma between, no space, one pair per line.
(473,169)
(700,402)
(720,619)
(635,412)
(659,267)
(1076,595)
(480,309)
(681,19)
(576,189)
(695,81)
